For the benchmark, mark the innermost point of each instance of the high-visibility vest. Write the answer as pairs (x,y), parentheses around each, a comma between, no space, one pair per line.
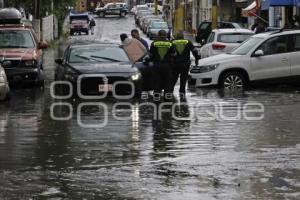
(180,45)
(162,48)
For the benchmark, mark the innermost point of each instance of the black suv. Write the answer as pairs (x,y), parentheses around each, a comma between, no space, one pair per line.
(205,29)
(120,9)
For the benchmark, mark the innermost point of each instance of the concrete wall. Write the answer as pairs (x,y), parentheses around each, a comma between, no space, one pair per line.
(48,28)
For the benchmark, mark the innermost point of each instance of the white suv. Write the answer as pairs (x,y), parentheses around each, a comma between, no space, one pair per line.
(263,57)
(4,88)
(223,41)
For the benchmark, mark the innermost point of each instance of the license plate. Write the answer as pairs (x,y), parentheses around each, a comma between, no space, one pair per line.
(105,88)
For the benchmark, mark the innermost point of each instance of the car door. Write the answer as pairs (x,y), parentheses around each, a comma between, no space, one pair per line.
(295,56)
(275,63)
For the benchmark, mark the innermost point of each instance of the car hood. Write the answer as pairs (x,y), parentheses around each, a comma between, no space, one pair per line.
(222,58)
(108,68)
(22,54)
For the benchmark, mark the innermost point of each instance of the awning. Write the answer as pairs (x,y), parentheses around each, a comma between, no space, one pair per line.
(266,4)
(282,2)
(250,11)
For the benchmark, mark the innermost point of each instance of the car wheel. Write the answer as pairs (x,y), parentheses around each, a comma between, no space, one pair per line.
(233,81)
(87,32)
(101,14)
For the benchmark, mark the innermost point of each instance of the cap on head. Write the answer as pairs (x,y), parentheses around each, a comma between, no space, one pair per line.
(123,37)
(162,34)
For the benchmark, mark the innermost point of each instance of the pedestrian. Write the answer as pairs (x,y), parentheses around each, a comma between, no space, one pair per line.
(92,26)
(182,60)
(162,53)
(135,34)
(133,48)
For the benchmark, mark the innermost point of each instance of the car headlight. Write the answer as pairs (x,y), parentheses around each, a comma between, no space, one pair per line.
(204,69)
(136,76)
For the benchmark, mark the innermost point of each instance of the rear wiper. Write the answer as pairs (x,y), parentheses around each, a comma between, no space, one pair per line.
(105,58)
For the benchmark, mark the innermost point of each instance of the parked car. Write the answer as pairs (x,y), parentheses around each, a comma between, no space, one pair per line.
(79,22)
(152,7)
(267,57)
(204,29)
(140,8)
(140,14)
(20,50)
(147,22)
(224,41)
(155,27)
(4,87)
(109,9)
(86,58)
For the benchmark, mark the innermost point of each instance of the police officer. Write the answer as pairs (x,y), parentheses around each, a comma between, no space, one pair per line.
(162,53)
(182,61)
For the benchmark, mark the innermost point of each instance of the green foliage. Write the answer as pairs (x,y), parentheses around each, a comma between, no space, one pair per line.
(60,7)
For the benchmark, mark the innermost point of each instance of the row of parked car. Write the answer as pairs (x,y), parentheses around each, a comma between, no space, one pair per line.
(150,23)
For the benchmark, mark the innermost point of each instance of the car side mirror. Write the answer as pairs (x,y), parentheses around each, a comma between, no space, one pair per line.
(259,53)
(42,45)
(59,61)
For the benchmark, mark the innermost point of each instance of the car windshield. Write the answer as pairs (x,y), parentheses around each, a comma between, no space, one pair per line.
(204,26)
(16,39)
(97,54)
(233,37)
(161,25)
(246,46)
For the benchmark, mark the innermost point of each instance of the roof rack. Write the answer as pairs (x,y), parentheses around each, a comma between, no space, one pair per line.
(285,29)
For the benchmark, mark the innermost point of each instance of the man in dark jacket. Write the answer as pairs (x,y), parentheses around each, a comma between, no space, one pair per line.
(183,61)
(162,53)
(135,34)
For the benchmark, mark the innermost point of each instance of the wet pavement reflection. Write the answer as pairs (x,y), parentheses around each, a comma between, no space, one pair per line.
(196,155)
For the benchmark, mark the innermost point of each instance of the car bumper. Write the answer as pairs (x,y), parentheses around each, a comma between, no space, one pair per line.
(22,75)
(203,79)
(90,85)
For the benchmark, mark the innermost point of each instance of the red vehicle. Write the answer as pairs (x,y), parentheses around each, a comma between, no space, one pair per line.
(20,49)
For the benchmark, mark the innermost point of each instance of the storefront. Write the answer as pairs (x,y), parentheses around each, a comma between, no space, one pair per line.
(280,12)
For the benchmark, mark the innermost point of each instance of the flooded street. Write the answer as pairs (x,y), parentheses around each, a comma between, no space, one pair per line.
(212,149)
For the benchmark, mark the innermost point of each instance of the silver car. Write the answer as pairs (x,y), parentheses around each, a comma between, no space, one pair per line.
(4,88)
(155,27)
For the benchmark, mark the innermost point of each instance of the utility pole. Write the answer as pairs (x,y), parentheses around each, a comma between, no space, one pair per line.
(37,9)
(1,3)
(214,14)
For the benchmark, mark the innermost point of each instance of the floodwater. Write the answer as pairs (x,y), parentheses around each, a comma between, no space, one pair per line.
(215,145)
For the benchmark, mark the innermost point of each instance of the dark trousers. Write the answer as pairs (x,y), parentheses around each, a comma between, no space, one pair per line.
(181,70)
(163,78)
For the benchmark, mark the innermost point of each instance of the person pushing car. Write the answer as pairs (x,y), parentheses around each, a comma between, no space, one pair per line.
(162,53)
(182,61)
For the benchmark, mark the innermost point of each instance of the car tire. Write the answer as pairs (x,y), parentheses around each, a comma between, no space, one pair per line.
(233,80)
(71,33)
(40,81)
(87,32)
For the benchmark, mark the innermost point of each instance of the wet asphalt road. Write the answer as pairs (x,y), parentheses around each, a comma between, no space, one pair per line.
(203,157)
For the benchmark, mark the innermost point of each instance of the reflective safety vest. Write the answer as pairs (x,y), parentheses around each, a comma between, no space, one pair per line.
(180,45)
(162,48)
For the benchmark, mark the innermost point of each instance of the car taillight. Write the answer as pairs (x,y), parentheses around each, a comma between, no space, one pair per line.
(217,46)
